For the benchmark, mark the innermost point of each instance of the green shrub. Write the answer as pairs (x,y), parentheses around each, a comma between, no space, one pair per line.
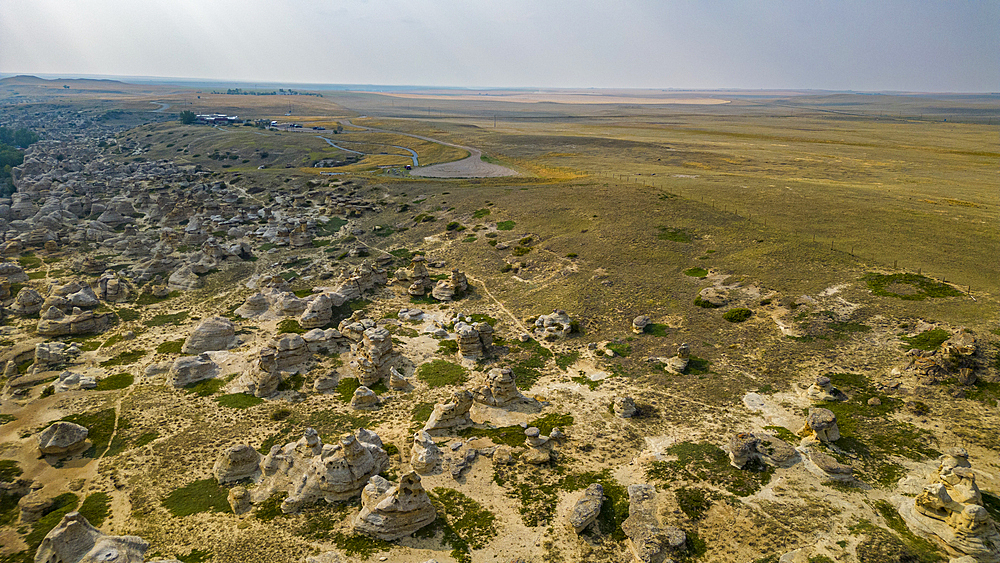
(505,226)
(290,326)
(9,471)
(927,340)
(128,315)
(911,287)
(673,234)
(270,508)
(737,315)
(125,358)
(480,213)
(696,272)
(699,302)
(170,347)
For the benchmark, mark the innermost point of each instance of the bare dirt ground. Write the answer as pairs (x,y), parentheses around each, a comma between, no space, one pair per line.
(471,167)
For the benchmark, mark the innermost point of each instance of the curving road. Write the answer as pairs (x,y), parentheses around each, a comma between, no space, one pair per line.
(469,167)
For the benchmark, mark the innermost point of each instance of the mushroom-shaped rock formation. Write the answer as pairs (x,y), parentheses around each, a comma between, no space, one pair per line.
(624,407)
(364,398)
(62,438)
(743,450)
(390,512)
(189,369)
(640,323)
(679,363)
(822,391)
(822,424)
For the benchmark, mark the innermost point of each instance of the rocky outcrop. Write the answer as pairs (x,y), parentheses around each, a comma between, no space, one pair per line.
(624,407)
(826,466)
(640,323)
(712,298)
(390,512)
(453,287)
(213,333)
(539,447)
(951,509)
(184,279)
(498,389)
(318,312)
(190,369)
(12,272)
(551,327)
(679,363)
(474,341)
(743,450)
(586,509)
(309,470)
(55,353)
(70,381)
(74,540)
(451,414)
(62,438)
(28,302)
(425,456)
(647,539)
(374,356)
(56,323)
(237,463)
(292,352)
(364,399)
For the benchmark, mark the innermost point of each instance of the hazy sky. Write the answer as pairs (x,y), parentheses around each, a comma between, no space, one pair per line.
(915,45)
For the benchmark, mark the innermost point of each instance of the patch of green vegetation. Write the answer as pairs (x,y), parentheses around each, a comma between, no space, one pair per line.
(707,463)
(205,387)
(842,329)
(101,426)
(737,315)
(270,508)
(9,471)
(421,412)
(506,226)
(673,234)
(623,349)
(161,320)
(125,358)
(697,366)
(290,326)
(196,556)
(238,400)
(563,361)
(23,366)
(205,495)
(170,347)
(359,545)
(512,436)
(383,230)
(521,250)
(693,501)
(927,340)
(881,546)
(783,433)
(447,347)
(5,418)
(584,380)
(117,381)
(150,299)
(128,315)
(293,382)
(696,272)
(331,227)
(480,213)
(96,507)
(466,524)
(403,254)
(145,438)
(29,261)
(705,304)
(348,385)
(438,373)
(655,329)
(546,423)
(911,287)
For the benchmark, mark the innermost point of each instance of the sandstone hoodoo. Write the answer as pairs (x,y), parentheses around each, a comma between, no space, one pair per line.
(586,509)
(390,512)
(213,333)
(62,438)
(74,540)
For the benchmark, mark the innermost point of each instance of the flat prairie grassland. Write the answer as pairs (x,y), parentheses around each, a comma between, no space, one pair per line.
(917,193)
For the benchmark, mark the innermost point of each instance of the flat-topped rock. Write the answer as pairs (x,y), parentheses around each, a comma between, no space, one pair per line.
(61,438)
(213,333)
(586,509)
(390,512)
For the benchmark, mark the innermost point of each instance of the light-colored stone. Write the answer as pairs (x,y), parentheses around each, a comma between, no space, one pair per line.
(586,509)
(62,438)
(74,540)
(390,512)
(191,369)
(213,333)
(237,463)
(425,456)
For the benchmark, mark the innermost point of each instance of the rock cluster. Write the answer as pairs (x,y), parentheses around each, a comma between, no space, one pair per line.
(55,322)
(191,369)
(821,424)
(955,358)
(679,363)
(237,463)
(390,512)
(474,341)
(374,355)
(648,539)
(822,391)
(743,450)
(448,289)
(498,389)
(553,326)
(425,456)
(951,509)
